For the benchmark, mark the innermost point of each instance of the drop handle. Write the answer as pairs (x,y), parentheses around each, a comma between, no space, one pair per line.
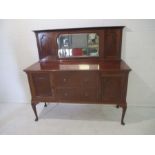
(41,78)
(86,94)
(85,80)
(64,79)
(66,94)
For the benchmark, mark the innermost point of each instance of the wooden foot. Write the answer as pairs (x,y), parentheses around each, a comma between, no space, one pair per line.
(36,119)
(117,106)
(34,110)
(123,114)
(45,105)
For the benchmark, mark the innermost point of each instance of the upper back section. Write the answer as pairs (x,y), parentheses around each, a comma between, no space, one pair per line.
(110,41)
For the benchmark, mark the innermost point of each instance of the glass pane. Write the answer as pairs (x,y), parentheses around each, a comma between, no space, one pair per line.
(78,45)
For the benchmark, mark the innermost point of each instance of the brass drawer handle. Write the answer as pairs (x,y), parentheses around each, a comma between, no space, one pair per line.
(41,78)
(66,94)
(64,79)
(85,80)
(86,94)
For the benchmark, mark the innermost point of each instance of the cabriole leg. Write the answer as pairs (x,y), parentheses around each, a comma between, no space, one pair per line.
(123,114)
(35,111)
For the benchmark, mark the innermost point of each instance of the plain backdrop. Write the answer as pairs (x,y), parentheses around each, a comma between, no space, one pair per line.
(18,50)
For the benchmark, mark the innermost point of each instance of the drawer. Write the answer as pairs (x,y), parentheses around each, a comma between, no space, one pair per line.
(77,95)
(68,94)
(77,79)
(89,95)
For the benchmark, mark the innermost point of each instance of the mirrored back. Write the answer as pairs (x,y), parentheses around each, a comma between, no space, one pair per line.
(78,45)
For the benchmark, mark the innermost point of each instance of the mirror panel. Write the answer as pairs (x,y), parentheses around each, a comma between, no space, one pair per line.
(78,45)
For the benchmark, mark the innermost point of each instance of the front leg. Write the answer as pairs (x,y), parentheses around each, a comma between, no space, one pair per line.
(123,114)
(34,110)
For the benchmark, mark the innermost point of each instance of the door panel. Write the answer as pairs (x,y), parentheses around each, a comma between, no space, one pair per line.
(112,88)
(41,82)
(112,44)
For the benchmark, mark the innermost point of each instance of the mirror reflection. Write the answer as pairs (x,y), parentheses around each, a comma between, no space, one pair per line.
(78,45)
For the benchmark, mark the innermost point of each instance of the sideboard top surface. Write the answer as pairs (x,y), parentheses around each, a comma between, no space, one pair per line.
(62,65)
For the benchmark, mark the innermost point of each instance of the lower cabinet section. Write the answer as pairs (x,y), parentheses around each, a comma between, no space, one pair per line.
(79,87)
(95,88)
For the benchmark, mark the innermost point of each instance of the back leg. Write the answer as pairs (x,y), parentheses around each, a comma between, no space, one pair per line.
(45,105)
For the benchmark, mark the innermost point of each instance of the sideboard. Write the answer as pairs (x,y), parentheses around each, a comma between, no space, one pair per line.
(79,65)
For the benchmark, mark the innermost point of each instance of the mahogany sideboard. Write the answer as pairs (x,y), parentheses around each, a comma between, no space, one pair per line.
(79,65)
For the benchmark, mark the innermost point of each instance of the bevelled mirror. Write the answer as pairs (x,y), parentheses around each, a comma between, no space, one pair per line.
(78,45)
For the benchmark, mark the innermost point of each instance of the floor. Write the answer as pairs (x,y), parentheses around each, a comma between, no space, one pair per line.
(62,119)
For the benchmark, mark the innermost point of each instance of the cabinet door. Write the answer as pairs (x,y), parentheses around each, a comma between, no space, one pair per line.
(112,88)
(41,84)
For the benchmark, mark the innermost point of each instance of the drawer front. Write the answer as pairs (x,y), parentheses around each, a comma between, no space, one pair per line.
(75,79)
(41,84)
(69,94)
(89,95)
(77,95)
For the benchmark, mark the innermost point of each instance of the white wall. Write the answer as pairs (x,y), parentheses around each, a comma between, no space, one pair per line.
(18,50)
